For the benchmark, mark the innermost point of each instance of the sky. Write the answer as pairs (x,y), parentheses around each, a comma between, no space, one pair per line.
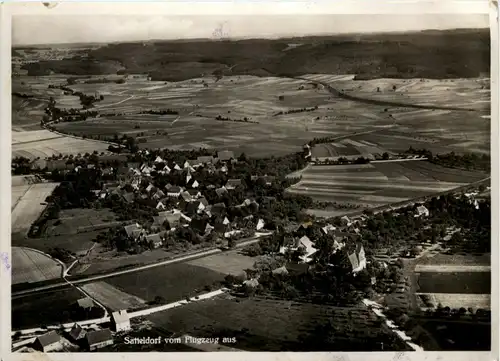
(50,29)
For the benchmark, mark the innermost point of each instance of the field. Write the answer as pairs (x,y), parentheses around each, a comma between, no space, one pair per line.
(33,266)
(43,144)
(75,221)
(459,336)
(29,205)
(454,280)
(48,308)
(111,297)
(376,184)
(256,99)
(173,282)
(267,325)
(225,263)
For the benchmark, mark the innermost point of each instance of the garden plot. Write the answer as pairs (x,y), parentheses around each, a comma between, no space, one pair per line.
(33,266)
(454,282)
(30,205)
(111,297)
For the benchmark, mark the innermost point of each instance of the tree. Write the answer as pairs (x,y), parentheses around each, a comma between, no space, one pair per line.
(385,156)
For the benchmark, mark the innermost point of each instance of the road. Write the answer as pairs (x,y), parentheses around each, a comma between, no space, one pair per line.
(243,243)
(343,95)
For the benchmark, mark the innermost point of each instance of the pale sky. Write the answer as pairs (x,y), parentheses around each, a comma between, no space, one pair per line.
(49,29)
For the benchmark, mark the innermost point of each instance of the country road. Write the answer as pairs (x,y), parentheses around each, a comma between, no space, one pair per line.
(202,254)
(343,95)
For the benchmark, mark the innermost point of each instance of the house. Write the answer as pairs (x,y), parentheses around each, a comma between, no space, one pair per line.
(308,246)
(221,191)
(232,184)
(358,259)
(159,160)
(194,163)
(120,320)
(225,155)
(158,221)
(176,167)
(346,221)
(297,268)
(218,209)
(422,211)
(98,339)
(194,193)
(260,224)
(195,184)
(328,228)
(205,160)
(166,169)
(203,201)
(133,230)
(253,283)
(48,342)
(160,206)
(39,164)
(128,197)
(174,191)
(280,271)
(150,188)
(85,303)
(188,178)
(159,194)
(172,217)
(77,332)
(224,169)
(195,207)
(154,240)
(186,196)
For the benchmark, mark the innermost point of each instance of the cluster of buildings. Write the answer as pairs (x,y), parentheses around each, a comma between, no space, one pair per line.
(91,338)
(183,205)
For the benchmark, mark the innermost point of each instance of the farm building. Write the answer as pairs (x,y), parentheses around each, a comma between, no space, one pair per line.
(422,211)
(48,342)
(85,303)
(77,333)
(233,183)
(98,339)
(120,320)
(225,155)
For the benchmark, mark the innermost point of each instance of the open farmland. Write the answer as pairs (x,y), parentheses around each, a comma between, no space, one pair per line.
(29,205)
(376,184)
(43,144)
(111,297)
(226,263)
(49,308)
(33,266)
(460,93)
(74,221)
(173,282)
(271,325)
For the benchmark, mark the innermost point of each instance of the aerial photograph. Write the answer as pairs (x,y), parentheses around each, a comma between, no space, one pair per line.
(250,183)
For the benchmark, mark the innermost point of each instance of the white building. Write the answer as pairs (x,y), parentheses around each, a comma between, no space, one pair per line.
(121,320)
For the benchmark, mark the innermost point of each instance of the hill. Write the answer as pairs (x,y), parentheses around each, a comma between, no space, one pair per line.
(433,54)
